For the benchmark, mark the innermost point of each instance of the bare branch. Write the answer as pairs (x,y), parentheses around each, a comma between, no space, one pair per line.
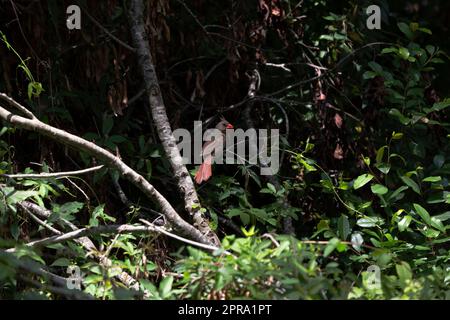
(45,175)
(108,158)
(167,233)
(278,65)
(87,243)
(84,232)
(113,229)
(161,120)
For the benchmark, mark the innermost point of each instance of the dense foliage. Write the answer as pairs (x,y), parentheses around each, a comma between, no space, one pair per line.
(365,157)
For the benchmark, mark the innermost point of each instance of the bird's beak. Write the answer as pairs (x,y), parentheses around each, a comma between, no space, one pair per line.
(230,126)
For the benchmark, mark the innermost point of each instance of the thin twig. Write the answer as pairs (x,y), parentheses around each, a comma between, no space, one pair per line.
(45,175)
(271,237)
(338,65)
(278,65)
(197,244)
(324,242)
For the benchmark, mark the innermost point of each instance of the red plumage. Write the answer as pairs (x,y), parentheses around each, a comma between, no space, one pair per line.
(205,170)
(203,173)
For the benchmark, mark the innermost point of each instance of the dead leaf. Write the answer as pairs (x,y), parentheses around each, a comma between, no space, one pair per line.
(276,12)
(338,121)
(338,152)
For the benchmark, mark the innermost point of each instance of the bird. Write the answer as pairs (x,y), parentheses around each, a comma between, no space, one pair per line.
(205,170)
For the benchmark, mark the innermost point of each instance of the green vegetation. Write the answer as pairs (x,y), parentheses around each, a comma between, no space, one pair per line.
(365,153)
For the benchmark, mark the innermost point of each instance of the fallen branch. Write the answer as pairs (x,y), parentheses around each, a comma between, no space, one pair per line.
(167,233)
(87,243)
(112,229)
(84,232)
(34,124)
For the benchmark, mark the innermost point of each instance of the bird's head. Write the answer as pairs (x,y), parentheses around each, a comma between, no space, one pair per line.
(223,125)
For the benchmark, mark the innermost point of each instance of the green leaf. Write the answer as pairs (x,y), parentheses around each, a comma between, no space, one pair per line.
(15,231)
(150,287)
(414,26)
(404,223)
(436,223)
(404,271)
(383,167)
(271,187)
(397,135)
(431,49)
(369,222)
(21,195)
(369,75)
(30,90)
(438,106)
(438,161)
(362,180)
(444,216)
(396,113)
(343,227)
(375,67)
(432,179)
(332,244)
(71,207)
(411,183)
(404,53)
(425,30)
(325,225)
(116,139)
(389,50)
(61,262)
(406,30)
(397,192)
(165,287)
(379,189)
(423,213)
(430,233)
(326,37)
(308,164)
(219,281)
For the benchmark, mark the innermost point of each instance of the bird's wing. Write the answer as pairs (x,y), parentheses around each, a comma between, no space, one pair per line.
(210,146)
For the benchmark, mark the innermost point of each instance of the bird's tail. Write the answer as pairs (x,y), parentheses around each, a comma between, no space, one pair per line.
(203,173)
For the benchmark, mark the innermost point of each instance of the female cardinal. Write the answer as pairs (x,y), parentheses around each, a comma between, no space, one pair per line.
(205,170)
